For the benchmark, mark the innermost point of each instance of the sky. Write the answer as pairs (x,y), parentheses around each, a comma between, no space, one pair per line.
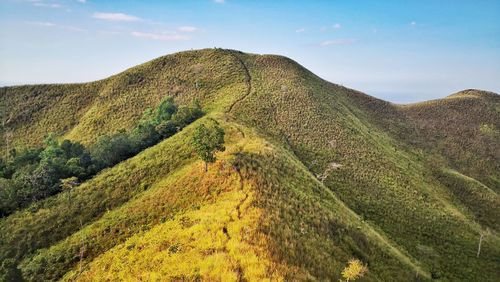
(400,51)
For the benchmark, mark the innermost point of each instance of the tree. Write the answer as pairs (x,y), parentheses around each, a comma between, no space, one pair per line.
(206,141)
(68,184)
(110,150)
(9,271)
(187,114)
(165,110)
(355,269)
(143,136)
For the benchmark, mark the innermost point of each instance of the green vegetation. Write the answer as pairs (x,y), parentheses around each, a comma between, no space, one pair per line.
(32,175)
(156,125)
(206,141)
(313,174)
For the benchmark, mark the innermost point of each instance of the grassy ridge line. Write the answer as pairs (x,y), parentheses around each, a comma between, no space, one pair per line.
(66,223)
(181,188)
(251,143)
(217,241)
(324,258)
(248,81)
(121,254)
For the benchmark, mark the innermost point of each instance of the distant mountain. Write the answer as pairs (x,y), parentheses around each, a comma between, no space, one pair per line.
(313,174)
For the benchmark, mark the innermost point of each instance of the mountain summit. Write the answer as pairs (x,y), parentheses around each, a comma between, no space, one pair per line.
(314,174)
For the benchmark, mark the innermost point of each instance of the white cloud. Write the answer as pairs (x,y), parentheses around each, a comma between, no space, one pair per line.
(82,1)
(46,24)
(167,36)
(413,23)
(300,30)
(187,29)
(220,1)
(336,26)
(48,5)
(344,41)
(115,17)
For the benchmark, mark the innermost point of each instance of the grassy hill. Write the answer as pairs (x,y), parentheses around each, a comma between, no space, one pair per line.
(314,174)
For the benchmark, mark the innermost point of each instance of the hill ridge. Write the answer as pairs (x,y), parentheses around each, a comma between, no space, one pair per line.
(331,174)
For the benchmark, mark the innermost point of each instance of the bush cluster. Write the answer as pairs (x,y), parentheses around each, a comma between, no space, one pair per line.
(33,174)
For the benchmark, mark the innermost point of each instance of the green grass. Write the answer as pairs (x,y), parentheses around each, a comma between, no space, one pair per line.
(382,178)
(331,174)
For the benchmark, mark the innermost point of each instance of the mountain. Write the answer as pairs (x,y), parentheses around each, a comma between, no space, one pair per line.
(314,174)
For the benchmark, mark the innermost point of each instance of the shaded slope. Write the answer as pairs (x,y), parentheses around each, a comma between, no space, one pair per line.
(465,129)
(459,131)
(371,172)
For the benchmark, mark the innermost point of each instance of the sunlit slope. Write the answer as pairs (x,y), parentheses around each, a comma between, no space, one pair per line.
(314,174)
(29,113)
(85,111)
(258,213)
(51,220)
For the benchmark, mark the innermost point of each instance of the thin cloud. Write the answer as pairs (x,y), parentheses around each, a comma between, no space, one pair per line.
(53,25)
(47,5)
(45,24)
(112,32)
(300,30)
(115,17)
(187,29)
(74,28)
(334,26)
(344,41)
(413,23)
(82,1)
(220,1)
(166,36)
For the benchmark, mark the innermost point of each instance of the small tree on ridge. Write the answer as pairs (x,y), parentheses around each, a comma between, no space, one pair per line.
(206,141)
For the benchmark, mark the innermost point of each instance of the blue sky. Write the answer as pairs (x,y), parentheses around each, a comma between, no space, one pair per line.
(401,51)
